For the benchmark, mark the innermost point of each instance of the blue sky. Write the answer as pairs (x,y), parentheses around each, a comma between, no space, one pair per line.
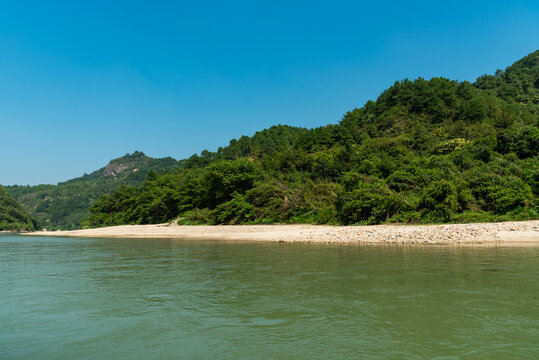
(84,82)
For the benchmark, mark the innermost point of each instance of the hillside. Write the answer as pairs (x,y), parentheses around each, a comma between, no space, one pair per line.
(12,215)
(518,83)
(426,151)
(65,205)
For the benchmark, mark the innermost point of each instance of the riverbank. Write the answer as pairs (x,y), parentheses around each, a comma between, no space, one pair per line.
(517,233)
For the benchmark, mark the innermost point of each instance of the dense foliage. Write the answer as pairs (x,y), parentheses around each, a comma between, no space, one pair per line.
(65,205)
(12,216)
(518,83)
(425,151)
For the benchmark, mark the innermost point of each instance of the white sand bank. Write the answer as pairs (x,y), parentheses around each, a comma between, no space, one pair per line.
(518,233)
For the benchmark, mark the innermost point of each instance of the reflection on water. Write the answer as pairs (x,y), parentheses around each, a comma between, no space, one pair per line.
(67,298)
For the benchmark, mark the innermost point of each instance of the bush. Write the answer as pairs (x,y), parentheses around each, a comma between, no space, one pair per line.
(194,217)
(235,211)
(441,201)
(371,202)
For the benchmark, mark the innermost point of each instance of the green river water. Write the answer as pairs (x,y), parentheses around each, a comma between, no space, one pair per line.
(68,298)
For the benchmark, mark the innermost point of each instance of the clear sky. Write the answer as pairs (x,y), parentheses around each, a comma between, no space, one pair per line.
(82,82)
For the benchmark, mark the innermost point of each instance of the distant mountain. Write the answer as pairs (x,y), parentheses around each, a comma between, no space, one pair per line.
(12,215)
(65,205)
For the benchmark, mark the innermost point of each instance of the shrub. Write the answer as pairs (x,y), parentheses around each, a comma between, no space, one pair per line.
(441,201)
(371,202)
(234,211)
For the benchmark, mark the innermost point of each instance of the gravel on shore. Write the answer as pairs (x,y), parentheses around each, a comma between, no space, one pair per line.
(517,233)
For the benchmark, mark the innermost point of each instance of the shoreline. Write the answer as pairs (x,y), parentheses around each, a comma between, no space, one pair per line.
(521,233)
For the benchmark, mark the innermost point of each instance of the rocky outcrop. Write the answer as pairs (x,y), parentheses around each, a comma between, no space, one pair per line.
(114,168)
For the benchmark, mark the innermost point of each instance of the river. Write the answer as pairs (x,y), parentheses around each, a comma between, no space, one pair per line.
(73,298)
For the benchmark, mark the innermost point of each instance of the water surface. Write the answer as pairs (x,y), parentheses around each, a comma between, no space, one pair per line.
(66,298)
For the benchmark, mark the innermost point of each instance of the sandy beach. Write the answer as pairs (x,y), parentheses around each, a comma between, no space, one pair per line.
(511,233)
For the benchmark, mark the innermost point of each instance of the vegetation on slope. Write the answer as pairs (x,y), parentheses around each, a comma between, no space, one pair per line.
(425,151)
(12,215)
(518,83)
(65,205)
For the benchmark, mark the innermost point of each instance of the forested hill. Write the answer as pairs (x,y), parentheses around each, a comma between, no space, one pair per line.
(12,216)
(65,205)
(425,151)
